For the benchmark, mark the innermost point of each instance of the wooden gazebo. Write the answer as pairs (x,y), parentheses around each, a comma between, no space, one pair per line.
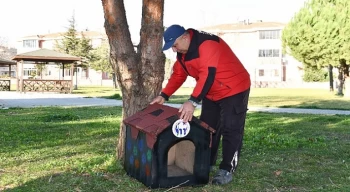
(44,57)
(5,84)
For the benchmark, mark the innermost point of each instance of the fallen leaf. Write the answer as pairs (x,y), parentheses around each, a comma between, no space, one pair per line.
(278,173)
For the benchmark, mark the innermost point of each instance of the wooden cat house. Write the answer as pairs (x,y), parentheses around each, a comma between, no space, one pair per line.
(161,151)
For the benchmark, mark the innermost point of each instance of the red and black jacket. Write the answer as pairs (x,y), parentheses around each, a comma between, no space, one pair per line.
(217,70)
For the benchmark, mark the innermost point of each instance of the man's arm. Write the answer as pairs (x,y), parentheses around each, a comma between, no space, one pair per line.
(177,78)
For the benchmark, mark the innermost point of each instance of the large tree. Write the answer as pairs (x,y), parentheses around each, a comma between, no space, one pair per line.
(319,36)
(140,72)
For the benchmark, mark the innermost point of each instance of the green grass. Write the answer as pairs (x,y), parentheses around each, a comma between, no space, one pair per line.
(259,97)
(298,98)
(73,149)
(284,98)
(98,91)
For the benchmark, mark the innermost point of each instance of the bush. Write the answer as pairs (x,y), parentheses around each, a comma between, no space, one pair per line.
(315,75)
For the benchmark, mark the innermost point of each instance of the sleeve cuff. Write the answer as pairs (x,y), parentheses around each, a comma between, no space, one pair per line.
(166,97)
(194,99)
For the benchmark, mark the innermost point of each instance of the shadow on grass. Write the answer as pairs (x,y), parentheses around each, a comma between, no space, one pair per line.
(114,96)
(47,134)
(307,151)
(331,104)
(299,102)
(59,182)
(284,102)
(281,131)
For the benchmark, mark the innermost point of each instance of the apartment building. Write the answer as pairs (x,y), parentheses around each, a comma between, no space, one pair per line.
(258,45)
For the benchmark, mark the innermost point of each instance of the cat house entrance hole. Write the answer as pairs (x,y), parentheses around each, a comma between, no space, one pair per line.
(181,159)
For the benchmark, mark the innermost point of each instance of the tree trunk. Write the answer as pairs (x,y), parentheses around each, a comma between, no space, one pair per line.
(341,77)
(346,82)
(139,74)
(330,70)
(114,79)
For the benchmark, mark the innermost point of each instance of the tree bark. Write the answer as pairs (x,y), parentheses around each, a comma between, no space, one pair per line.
(140,72)
(341,76)
(346,82)
(330,70)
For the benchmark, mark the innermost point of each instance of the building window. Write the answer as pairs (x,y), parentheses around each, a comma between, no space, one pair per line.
(84,72)
(276,73)
(269,34)
(269,53)
(106,75)
(29,72)
(67,72)
(29,43)
(261,72)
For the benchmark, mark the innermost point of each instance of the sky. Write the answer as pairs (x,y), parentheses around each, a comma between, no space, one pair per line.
(20,18)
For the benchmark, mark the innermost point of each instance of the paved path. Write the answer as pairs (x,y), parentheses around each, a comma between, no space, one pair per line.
(14,99)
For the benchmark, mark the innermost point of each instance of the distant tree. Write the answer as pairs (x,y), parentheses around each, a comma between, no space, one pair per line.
(319,36)
(70,42)
(74,45)
(140,72)
(6,52)
(39,70)
(101,58)
(85,50)
(101,61)
(3,41)
(313,74)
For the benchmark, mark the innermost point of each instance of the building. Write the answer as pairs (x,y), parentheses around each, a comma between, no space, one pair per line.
(258,45)
(86,76)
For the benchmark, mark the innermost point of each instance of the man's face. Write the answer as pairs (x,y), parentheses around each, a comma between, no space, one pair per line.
(181,44)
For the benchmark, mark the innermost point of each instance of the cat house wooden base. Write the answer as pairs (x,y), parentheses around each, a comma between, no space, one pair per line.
(163,152)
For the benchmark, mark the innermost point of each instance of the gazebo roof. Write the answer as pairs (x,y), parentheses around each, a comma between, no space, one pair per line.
(7,62)
(46,55)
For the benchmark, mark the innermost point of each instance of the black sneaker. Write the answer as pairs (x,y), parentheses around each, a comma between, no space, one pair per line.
(222,177)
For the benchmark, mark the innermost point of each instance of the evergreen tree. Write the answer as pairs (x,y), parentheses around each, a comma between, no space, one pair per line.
(85,50)
(319,36)
(72,44)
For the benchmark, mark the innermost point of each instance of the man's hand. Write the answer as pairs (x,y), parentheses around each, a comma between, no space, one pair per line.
(187,110)
(158,99)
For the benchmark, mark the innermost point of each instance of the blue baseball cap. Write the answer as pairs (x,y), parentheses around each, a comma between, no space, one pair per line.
(171,34)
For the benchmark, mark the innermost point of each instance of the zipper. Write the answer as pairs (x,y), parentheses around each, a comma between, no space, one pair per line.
(179,58)
(184,67)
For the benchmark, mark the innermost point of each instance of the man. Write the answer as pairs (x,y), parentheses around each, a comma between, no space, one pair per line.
(223,86)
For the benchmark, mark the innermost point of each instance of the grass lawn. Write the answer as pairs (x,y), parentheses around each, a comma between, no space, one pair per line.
(72,149)
(98,91)
(259,97)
